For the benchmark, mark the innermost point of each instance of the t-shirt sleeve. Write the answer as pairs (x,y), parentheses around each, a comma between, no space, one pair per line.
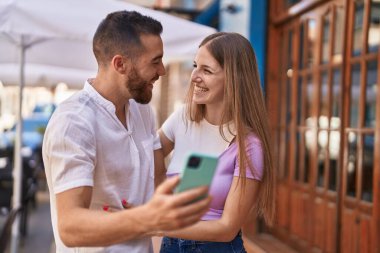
(256,157)
(171,123)
(70,152)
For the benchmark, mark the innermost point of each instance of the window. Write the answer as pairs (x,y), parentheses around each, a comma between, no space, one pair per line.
(373,40)
(358,28)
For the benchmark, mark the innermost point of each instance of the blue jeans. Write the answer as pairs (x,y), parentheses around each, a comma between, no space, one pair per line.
(174,245)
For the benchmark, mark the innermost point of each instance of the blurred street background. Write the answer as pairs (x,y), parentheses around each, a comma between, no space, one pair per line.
(320,73)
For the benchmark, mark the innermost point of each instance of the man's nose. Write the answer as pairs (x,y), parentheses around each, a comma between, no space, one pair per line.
(161,69)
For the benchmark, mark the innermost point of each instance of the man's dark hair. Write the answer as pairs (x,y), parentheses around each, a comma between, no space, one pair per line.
(119,33)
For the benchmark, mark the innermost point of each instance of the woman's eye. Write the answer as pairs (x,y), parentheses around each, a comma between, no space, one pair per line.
(194,65)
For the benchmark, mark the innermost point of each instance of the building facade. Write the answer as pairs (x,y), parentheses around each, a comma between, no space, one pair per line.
(322,87)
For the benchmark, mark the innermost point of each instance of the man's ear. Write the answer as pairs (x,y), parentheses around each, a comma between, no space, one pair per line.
(120,64)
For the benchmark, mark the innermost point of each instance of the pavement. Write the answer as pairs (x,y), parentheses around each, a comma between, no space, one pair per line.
(40,234)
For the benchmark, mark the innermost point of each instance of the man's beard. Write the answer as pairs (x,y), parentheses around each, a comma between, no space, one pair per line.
(138,87)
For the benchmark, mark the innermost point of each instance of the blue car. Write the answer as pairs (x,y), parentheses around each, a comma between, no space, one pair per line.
(32,135)
(31,152)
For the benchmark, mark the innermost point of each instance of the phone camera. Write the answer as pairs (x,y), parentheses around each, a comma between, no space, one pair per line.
(194,162)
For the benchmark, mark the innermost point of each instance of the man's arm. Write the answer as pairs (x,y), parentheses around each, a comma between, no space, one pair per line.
(78,226)
(238,204)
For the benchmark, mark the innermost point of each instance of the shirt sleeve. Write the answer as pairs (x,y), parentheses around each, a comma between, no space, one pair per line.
(170,125)
(256,157)
(70,152)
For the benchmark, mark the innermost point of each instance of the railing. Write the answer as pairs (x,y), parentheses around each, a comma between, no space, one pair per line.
(7,229)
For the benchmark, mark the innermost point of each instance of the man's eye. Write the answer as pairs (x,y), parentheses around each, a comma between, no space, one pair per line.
(194,65)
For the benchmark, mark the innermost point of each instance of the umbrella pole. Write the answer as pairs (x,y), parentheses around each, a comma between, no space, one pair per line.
(17,169)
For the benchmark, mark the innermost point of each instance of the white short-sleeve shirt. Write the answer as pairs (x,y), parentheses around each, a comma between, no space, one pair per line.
(85,144)
(201,137)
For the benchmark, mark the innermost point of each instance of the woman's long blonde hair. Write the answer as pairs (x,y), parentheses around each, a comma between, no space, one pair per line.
(244,106)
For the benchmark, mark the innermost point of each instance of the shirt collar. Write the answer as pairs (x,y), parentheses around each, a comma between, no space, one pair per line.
(108,105)
(93,93)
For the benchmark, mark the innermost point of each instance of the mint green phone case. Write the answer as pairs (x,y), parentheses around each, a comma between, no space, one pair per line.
(199,169)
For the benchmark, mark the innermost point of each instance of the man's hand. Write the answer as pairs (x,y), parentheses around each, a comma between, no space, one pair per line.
(167,211)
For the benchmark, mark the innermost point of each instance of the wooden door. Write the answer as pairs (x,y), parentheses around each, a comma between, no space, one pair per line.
(322,78)
(360,197)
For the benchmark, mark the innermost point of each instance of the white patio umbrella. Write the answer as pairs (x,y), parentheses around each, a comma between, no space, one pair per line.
(43,42)
(57,38)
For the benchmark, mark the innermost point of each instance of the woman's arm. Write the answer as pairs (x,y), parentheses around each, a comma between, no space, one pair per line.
(236,210)
(159,167)
(167,145)
(159,156)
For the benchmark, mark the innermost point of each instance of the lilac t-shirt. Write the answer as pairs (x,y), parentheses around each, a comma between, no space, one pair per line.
(227,169)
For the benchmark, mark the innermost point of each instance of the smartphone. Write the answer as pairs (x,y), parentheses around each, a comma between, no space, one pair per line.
(199,170)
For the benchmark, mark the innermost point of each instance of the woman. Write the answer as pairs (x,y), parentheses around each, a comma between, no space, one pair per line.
(224,115)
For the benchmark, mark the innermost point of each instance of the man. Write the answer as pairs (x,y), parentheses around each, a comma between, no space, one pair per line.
(98,149)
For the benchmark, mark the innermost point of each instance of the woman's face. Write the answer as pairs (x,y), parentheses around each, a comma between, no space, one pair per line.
(207,78)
